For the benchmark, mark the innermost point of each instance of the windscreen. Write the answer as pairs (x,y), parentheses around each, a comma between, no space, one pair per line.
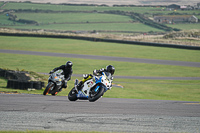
(108,75)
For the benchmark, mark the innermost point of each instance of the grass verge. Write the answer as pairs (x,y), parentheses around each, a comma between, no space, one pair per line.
(44,64)
(134,89)
(97,48)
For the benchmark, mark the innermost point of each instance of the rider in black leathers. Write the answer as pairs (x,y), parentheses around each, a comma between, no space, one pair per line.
(67,69)
(109,69)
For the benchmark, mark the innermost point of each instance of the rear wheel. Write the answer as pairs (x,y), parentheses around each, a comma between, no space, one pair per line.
(95,94)
(72,95)
(48,88)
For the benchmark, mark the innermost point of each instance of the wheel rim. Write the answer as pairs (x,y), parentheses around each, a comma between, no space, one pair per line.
(93,93)
(73,92)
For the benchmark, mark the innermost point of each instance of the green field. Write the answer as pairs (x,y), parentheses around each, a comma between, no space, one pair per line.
(45,64)
(137,89)
(78,8)
(53,7)
(77,22)
(1,3)
(86,18)
(97,48)
(4,20)
(185,26)
(136,27)
(44,18)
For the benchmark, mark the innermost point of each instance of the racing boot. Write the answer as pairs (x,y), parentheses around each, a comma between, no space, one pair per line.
(64,84)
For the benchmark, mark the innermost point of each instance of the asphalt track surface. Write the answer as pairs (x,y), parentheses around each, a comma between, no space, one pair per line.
(57,113)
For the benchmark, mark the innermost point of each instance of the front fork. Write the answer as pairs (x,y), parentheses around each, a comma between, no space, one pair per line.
(75,85)
(96,89)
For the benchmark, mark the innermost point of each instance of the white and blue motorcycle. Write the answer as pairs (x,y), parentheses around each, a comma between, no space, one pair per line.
(92,89)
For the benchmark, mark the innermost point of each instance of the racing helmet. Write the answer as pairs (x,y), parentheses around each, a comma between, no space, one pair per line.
(110,69)
(69,64)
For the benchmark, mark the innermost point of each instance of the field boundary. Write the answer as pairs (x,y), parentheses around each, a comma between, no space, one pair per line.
(102,40)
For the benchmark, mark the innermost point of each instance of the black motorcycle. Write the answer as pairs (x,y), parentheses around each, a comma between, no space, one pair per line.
(55,83)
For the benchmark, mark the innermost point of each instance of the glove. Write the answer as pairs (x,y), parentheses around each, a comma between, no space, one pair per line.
(85,76)
(51,72)
(112,78)
(95,72)
(102,69)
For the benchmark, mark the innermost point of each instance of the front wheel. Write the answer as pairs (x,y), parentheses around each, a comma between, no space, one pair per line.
(48,88)
(95,95)
(72,95)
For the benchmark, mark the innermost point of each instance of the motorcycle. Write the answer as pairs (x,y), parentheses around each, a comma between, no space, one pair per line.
(55,83)
(92,89)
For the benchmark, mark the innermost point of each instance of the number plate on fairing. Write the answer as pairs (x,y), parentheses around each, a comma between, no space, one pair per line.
(87,85)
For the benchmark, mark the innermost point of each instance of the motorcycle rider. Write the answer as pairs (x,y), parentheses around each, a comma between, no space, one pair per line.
(67,69)
(109,69)
(86,77)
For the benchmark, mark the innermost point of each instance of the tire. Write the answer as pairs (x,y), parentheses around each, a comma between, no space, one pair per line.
(72,95)
(48,88)
(97,95)
(54,94)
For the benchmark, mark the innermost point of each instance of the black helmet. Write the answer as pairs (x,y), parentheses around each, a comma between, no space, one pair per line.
(69,64)
(110,69)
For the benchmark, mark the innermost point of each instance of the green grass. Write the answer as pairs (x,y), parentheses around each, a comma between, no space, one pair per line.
(4,20)
(1,3)
(133,27)
(81,66)
(185,26)
(72,17)
(53,21)
(97,48)
(135,89)
(57,21)
(157,89)
(142,10)
(77,8)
